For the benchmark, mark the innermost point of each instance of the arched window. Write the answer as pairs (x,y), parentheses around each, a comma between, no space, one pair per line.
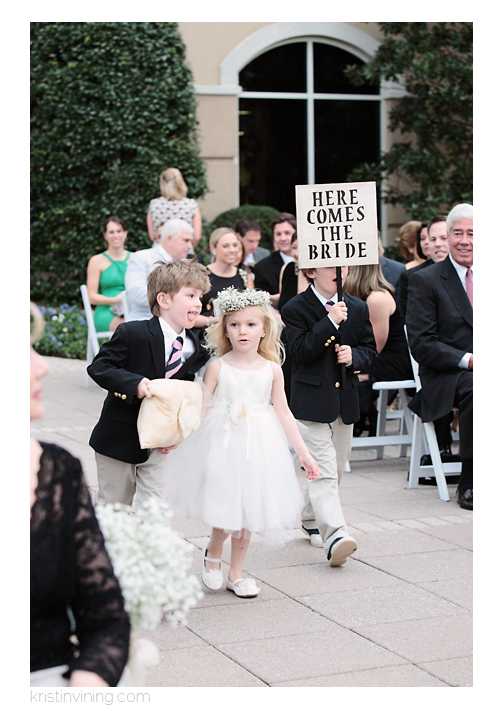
(301,121)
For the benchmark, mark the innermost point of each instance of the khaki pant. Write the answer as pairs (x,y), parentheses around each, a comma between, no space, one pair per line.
(119,481)
(330,446)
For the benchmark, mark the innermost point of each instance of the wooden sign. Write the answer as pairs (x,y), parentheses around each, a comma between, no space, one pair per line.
(337,224)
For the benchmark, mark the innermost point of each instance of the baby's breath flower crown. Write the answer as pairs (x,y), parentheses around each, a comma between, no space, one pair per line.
(230,299)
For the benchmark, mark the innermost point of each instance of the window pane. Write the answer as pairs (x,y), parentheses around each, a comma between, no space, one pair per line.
(273,152)
(280,69)
(329,77)
(346,135)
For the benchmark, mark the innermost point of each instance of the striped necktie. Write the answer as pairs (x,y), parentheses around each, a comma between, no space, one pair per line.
(175,363)
(328,306)
(468,285)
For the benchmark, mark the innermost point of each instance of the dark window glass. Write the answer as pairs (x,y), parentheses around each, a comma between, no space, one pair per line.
(273,152)
(346,135)
(329,65)
(280,69)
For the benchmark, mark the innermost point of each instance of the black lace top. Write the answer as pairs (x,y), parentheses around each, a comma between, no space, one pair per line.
(77,612)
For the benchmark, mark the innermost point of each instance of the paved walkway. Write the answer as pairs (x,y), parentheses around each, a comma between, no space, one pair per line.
(397,614)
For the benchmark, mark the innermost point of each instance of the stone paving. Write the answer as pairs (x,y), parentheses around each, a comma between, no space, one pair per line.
(397,614)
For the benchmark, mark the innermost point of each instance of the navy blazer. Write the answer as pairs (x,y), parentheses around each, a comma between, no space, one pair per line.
(439,326)
(316,392)
(136,350)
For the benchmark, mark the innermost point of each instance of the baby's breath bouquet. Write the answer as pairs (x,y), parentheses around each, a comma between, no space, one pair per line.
(151,562)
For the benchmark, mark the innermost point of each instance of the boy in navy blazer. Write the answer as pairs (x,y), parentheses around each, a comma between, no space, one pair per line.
(138,352)
(312,320)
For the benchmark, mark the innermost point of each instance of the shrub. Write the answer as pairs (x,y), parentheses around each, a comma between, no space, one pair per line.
(65,333)
(112,106)
(265,215)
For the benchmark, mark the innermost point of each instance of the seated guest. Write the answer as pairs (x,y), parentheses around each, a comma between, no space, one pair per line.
(175,243)
(440,332)
(106,276)
(79,627)
(267,271)
(438,251)
(393,361)
(249,230)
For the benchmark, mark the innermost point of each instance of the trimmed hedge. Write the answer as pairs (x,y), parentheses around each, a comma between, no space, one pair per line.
(112,106)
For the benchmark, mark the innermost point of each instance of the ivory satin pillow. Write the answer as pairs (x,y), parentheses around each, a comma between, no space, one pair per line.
(171,414)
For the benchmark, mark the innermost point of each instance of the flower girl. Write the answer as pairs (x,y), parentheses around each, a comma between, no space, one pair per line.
(236,472)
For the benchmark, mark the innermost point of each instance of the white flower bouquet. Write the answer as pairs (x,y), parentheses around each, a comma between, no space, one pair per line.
(151,562)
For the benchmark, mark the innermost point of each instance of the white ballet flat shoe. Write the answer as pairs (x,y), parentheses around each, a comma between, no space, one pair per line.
(211,578)
(243,587)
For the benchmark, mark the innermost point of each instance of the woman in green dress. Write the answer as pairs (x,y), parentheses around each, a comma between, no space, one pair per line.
(106,275)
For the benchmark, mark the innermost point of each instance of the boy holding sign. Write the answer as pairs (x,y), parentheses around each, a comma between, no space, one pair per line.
(328,338)
(312,320)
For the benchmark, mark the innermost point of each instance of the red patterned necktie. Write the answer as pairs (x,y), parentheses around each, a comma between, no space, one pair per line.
(175,363)
(468,285)
(328,306)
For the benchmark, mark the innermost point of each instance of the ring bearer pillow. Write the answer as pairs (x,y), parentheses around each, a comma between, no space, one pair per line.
(171,414)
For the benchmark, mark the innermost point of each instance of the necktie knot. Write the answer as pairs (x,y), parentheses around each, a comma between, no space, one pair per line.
(328,306)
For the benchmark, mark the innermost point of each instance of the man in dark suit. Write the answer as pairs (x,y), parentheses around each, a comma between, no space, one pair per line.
(267,271)
(138,352)
(328,410)
(440,333)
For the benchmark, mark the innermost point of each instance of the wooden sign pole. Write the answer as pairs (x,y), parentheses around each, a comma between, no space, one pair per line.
(341,326)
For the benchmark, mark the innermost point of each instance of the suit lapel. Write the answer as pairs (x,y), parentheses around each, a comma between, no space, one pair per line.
(157,345)
(319,309)
(457,293)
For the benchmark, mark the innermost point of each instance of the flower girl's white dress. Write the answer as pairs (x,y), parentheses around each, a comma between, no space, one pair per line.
(236,470)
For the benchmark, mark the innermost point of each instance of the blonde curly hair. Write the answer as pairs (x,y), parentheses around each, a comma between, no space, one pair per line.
(270,347)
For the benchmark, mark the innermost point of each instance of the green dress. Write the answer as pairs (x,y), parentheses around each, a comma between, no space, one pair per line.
(111,283)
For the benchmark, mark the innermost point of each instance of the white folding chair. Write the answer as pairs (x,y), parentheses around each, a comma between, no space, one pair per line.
(405,416)
(425,442)
(92,334)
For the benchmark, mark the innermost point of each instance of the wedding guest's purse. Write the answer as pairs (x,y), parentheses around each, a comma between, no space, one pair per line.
(171,414)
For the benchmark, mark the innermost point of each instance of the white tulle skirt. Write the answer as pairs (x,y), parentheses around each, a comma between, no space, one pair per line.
(236,472)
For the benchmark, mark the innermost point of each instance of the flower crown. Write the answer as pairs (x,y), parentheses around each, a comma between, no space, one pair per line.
(230,299)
